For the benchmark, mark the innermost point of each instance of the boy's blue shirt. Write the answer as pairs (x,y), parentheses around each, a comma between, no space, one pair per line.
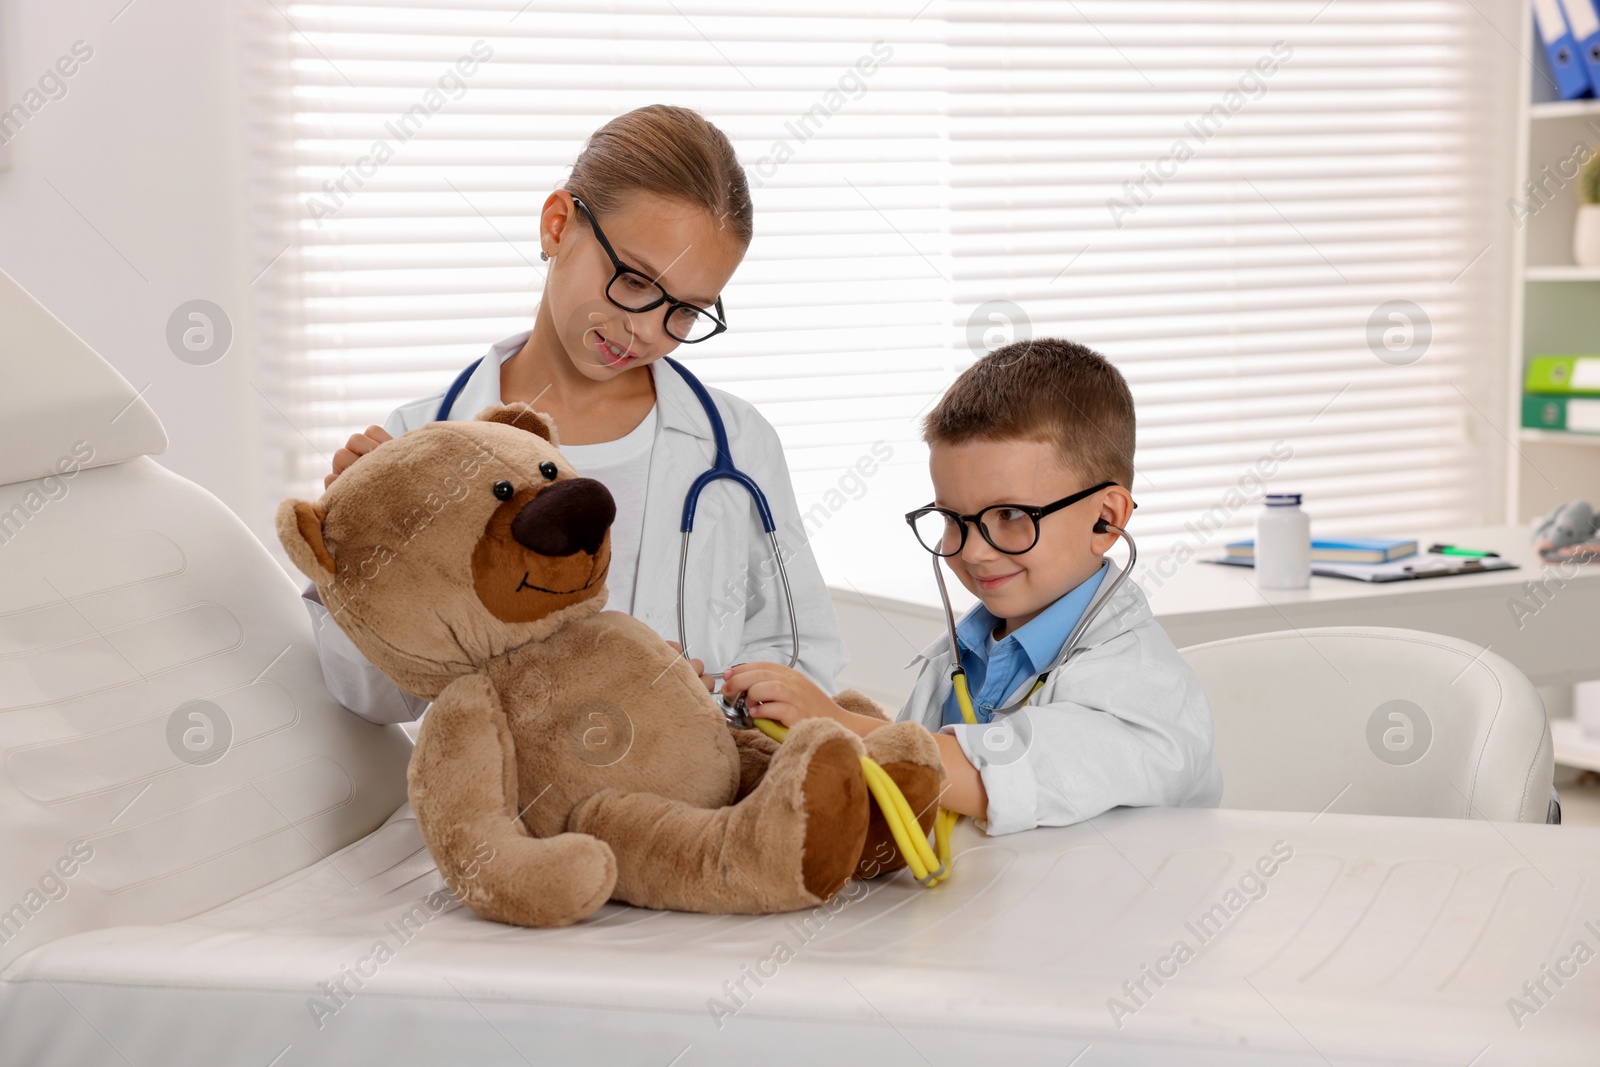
(993,674)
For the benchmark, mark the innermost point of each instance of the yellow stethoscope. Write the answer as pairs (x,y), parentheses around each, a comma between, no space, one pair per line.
(930,865)
(944,822)
(926,867)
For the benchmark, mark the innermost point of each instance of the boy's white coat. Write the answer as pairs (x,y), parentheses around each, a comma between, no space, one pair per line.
(734,611)
(1123,722)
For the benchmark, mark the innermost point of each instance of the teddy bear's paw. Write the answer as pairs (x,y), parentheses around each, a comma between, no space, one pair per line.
(910,756)
(540,882)
(833,794)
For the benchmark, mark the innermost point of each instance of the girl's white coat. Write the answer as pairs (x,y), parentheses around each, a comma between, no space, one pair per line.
(735,611)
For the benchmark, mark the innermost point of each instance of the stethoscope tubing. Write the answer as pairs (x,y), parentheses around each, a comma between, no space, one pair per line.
(1070,645)
(723,468)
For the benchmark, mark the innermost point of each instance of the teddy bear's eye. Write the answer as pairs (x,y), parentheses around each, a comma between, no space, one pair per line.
(549,470)
(503,490)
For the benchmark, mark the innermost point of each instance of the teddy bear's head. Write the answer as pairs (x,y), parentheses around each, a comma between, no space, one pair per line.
(454,544)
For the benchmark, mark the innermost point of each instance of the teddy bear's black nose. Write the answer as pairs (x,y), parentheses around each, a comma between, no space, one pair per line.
(565,517)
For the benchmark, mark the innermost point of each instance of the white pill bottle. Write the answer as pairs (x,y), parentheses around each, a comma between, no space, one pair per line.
(1283,544)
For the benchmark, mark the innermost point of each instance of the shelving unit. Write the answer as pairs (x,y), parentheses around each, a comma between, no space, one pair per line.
(1567,440)
(1562,274)
(1555,303)
(1561,109)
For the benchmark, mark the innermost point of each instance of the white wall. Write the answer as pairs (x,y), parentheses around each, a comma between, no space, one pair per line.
(125,198)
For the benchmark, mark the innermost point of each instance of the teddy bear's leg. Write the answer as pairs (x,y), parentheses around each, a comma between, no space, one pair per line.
(463,788)
(756,750)
(910,756)
(792,843)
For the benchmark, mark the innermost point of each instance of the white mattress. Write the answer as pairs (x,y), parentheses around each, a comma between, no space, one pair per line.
(1381,940)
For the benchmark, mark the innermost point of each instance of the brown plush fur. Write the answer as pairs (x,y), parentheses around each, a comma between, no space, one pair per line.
(570,756)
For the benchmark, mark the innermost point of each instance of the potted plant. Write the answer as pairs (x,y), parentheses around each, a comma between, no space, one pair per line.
(1586,228)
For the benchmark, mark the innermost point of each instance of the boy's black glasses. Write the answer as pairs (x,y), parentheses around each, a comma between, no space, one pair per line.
(632,290)
(1009,528)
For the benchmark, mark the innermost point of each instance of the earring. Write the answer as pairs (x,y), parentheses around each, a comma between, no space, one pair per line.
(543,254)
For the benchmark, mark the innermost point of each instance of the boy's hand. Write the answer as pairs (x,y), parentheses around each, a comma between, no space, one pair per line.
(358,445)
(782,694)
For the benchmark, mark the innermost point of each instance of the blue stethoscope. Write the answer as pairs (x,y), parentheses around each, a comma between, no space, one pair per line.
(722,468)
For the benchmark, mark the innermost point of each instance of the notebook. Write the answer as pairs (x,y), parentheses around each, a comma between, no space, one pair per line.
(1397,570)
(1343,550)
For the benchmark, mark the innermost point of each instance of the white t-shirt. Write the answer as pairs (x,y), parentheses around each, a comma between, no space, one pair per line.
(623,467)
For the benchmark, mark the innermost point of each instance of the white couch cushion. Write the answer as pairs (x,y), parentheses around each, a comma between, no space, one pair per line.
(61,399)
(166,739)
(128,606)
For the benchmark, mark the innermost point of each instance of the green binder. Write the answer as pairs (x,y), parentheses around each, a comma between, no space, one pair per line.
(1563,374)
(1558,411)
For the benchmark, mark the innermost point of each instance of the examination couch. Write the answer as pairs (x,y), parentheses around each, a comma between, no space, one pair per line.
(204,860)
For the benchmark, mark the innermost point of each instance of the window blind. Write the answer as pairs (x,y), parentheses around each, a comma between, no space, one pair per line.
(1276,218)
(1307,281)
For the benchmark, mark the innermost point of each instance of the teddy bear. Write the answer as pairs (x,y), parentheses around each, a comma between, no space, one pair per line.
(570,756)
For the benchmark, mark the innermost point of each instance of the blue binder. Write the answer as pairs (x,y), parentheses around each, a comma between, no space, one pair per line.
(1583,22)
(1565,63)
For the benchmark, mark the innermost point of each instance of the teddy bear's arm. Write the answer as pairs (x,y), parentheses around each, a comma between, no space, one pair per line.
(755,752)
(463,788)
(861,704)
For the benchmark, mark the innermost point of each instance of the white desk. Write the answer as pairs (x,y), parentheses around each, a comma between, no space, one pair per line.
(1574,748)
(896,607)
(1378,941)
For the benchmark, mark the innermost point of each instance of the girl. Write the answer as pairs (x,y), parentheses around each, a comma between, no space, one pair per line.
(656,206)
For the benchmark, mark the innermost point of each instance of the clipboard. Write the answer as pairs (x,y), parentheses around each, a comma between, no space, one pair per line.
(1411,568)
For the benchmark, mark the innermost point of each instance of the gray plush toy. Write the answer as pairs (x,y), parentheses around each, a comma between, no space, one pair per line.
(1571,531)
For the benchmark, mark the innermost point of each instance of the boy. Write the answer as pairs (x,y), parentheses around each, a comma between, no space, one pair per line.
(1125,721)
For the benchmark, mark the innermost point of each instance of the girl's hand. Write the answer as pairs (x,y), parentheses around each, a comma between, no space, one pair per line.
(779,693)
(707,680)
(358,445)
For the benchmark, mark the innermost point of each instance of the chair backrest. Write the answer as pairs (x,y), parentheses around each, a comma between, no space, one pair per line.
(1375,721)
(167,742)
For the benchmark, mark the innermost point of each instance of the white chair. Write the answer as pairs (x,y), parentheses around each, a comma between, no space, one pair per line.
(1377,721)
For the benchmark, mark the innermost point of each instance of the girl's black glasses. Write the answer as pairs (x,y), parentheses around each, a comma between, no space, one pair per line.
(633,290)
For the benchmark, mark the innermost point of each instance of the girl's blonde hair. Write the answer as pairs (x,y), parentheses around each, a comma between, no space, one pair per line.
(671,151)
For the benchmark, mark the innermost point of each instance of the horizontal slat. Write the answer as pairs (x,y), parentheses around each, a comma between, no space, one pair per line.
(974,163)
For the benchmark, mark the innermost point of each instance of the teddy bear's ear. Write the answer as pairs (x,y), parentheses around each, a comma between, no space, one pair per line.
(300,530)
(523,417)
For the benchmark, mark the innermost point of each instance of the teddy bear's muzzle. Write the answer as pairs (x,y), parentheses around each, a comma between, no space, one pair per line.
(566,517)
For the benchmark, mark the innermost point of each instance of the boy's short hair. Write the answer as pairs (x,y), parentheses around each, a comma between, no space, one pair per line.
(1049,390)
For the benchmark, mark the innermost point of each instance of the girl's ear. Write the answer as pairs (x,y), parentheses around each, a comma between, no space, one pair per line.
(523,417)
(299,524)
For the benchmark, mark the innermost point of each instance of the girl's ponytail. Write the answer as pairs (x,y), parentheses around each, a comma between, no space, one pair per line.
(671,151)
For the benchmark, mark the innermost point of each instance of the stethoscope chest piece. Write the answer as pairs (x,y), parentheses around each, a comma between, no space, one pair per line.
(736,714)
